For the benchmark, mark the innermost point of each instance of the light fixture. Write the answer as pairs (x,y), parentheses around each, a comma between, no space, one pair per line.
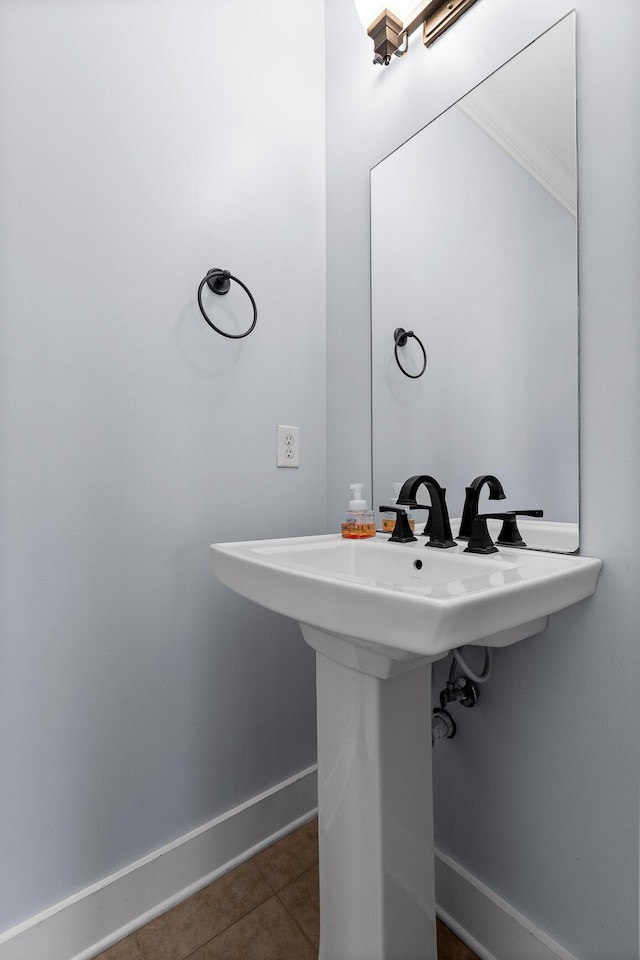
(389,27)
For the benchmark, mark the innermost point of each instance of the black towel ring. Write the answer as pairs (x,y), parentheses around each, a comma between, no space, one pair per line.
(400,338)
(218,282)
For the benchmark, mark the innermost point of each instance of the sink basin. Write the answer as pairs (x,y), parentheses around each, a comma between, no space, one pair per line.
(377,614)
(406,599)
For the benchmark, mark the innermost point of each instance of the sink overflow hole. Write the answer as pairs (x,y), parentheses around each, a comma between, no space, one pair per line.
(417,564)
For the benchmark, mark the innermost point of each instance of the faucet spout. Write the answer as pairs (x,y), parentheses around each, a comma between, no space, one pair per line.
(440,529)
(472,499)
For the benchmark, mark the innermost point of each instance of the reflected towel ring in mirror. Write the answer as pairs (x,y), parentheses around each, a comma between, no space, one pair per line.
(219,282)
(400,337)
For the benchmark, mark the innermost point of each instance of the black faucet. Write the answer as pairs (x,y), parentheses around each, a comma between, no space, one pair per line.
(440,528)
(470,509)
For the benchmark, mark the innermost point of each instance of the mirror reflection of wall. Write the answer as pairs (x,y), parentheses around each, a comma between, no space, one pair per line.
(474,248)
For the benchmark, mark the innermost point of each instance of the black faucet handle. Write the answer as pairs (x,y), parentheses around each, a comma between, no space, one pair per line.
(420,506)
(402,532)
(510,536)
(480,540)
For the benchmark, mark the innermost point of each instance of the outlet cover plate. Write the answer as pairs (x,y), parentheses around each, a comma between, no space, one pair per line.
(288,446)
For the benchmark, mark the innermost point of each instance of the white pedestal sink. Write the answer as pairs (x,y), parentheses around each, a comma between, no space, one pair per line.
(378,614)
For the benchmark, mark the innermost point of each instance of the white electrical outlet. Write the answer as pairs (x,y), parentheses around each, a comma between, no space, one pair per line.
(288,447)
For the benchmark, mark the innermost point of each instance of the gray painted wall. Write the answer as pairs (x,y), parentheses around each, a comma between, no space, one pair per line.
(143,143)
(539,794)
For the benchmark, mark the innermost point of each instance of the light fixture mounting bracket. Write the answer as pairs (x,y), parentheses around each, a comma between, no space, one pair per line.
(439,16)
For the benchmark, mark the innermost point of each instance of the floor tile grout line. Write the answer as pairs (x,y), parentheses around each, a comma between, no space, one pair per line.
(265,877)
(298,925)
(273,896)
(143,955)
(291,879)
(138,946)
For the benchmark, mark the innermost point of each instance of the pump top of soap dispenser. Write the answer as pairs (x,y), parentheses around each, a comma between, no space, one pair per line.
(357,503)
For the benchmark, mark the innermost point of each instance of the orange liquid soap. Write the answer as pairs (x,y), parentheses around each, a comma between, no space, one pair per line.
(358,531)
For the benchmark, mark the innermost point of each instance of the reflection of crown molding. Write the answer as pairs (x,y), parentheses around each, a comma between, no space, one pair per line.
(486,108)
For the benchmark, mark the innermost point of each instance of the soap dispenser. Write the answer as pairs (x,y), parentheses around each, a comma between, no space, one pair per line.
(389,519)
(358,522)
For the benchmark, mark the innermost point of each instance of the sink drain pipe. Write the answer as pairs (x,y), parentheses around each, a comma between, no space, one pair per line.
(443,726)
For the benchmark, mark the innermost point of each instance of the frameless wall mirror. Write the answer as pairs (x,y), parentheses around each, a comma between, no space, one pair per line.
(474,250)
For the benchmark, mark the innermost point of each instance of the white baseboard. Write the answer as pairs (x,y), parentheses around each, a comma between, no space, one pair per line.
(90,921)
(484,921)
(83,925)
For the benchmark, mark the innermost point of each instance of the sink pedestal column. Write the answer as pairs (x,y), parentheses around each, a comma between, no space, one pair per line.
(377,896)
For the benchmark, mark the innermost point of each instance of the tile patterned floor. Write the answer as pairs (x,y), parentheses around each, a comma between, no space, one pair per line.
(265,909)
